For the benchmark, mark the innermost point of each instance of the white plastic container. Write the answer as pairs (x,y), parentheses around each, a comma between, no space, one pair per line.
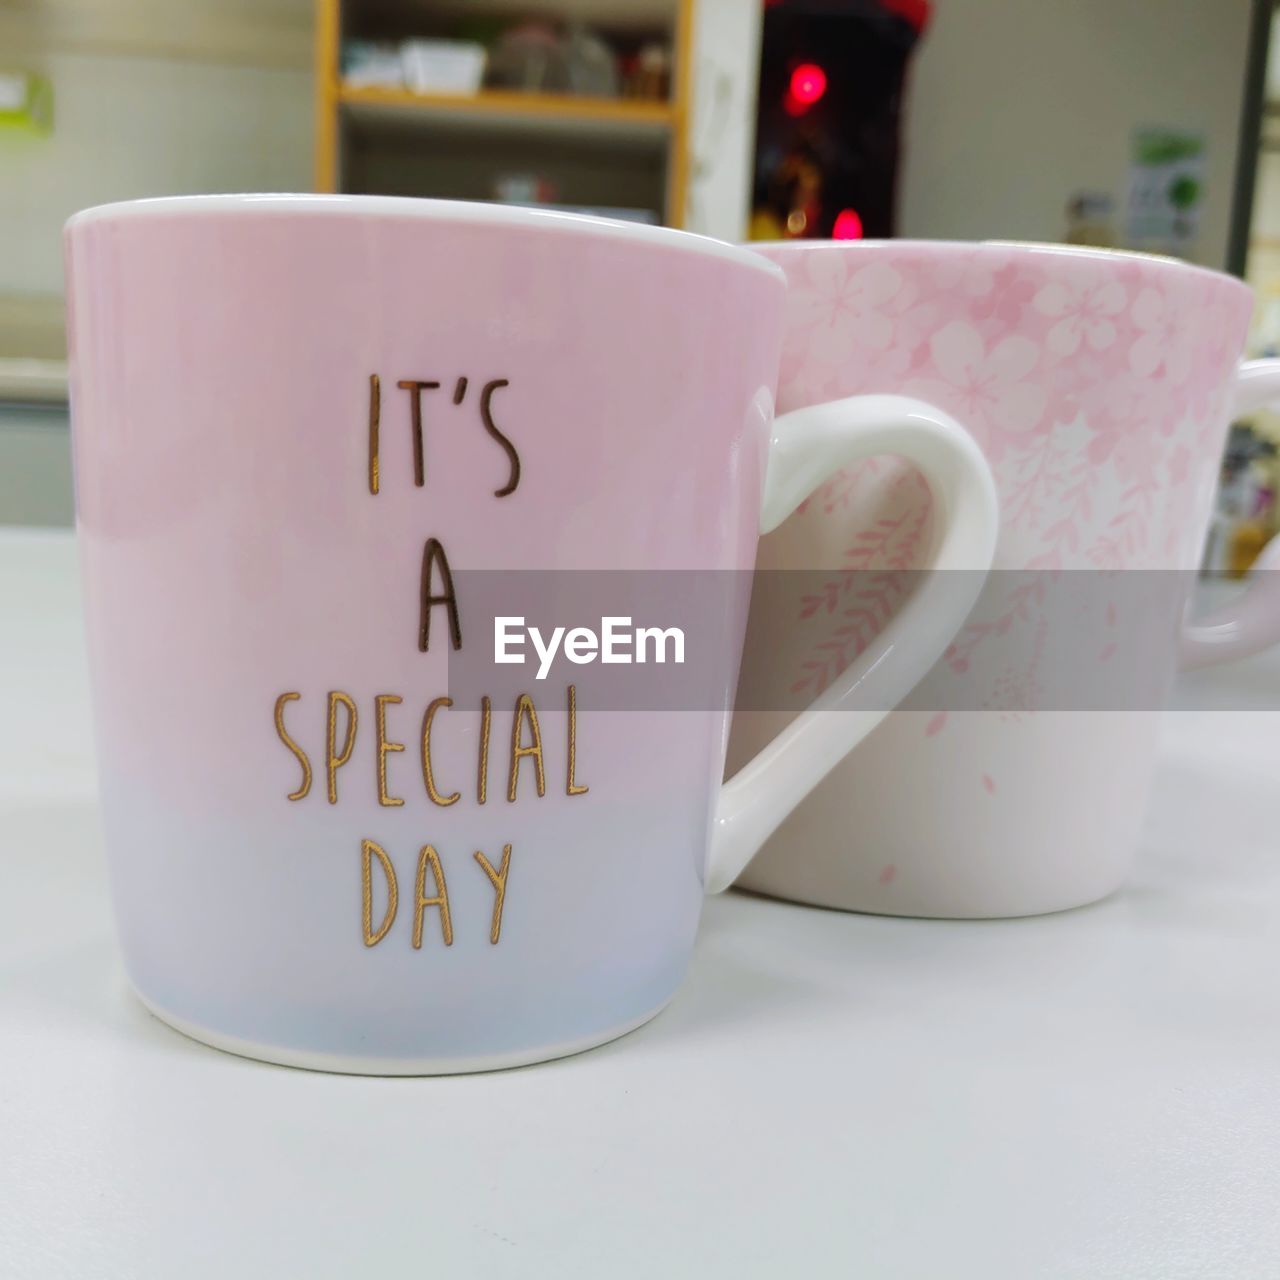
(442,66)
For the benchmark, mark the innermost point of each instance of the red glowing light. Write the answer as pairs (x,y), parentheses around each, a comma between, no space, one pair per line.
(808,83)
(848,225)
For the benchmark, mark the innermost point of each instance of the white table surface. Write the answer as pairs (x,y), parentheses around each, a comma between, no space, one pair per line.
(1094,1094)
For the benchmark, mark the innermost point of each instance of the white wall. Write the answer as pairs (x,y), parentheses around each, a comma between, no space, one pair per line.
(1012,106)
(150,97)
(726,75)
(141,126)
(1016,104)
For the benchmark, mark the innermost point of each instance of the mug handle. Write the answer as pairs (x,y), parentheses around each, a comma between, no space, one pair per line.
(805,448)
(1253,623)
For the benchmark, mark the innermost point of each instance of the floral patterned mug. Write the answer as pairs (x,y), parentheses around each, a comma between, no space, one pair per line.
(1099,386)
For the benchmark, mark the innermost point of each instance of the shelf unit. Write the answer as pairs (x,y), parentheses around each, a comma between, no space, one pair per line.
(363,133)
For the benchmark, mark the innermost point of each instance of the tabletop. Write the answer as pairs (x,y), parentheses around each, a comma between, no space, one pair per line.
(1091,1094)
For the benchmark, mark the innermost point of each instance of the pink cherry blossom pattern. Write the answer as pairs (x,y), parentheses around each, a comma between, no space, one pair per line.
(989,389)
(1216,348)
(1097,385)
(839,309)
(1083,312)
(972,277)
(1165,340)
(845,302)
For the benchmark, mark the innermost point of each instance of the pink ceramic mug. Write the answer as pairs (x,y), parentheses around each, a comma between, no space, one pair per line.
(1099,387)
(297,422)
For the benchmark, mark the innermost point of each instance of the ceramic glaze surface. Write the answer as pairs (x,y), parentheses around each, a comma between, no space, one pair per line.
(221,357)
(1099,388)
(297,422)
(323,446)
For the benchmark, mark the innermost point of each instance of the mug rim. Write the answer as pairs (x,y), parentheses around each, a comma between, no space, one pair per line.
(474,212)
(1098,253)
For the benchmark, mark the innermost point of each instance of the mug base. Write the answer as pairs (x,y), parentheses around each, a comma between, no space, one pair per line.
(932,909)
(358,1065)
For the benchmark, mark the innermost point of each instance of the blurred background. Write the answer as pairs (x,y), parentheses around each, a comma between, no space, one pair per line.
(1150,124)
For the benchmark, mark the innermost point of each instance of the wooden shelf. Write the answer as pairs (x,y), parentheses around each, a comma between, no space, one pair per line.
(515,110)
(613,13)
(605,132)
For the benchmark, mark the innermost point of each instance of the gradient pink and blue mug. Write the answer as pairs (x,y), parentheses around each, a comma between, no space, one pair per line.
(299,422)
